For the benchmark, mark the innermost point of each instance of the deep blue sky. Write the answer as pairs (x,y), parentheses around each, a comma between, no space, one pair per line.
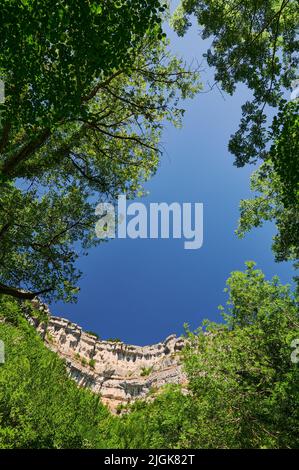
(143,290)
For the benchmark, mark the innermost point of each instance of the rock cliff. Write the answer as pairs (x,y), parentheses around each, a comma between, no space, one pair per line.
(119,372)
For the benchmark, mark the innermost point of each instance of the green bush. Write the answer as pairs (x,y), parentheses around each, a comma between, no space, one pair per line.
(243,388)
(40,406)
(83,361)
(145,371)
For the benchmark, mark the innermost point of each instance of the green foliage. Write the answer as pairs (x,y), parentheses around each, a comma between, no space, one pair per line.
(40,406)
(151,425)
(145,371)
(245,384)
(243,389)
(49,337)
(285,151)
(38,236)
(256,43)
(89,87)
(84,361)
(253,42)
(276,187)
(53,177)
(37,313)
(92,333)
(269,204)
(51,53)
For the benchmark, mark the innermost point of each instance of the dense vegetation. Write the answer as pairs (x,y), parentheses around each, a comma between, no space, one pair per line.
(243,388)
(77,128)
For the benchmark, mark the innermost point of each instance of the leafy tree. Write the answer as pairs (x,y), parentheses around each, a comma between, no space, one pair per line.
(48,198)
(242,387)
(253,42)
(276,187)
(245,384)
(285,151)
(157,424)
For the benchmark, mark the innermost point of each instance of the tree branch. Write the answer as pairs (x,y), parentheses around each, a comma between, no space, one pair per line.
(21,294)
(25,152)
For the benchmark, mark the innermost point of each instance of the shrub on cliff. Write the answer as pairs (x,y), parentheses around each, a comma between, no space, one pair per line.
(243,385)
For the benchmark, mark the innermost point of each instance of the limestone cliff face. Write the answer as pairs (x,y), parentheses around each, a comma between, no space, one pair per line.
(119,372)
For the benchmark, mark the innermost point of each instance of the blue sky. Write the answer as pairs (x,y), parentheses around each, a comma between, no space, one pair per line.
(143,290)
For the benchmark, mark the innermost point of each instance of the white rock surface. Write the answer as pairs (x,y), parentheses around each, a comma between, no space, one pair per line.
(114,370)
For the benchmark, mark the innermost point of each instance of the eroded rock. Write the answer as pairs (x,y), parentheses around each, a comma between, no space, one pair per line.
(119,372)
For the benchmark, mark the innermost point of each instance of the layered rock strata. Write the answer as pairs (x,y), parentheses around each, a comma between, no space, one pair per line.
(119,372)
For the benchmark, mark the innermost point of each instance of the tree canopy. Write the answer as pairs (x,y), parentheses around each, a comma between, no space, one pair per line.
(52,178)
(51,53)
(256,43)
(40,406)
(268,204)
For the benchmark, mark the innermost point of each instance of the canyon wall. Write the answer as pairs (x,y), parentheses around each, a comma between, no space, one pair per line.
(119,372)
